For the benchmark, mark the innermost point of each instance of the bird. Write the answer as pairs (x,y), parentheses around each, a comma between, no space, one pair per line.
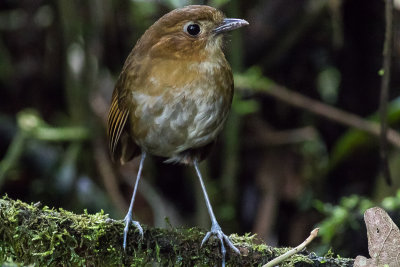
(173,96)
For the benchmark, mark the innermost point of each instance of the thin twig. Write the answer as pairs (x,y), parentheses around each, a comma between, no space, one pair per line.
(296,99)
(264,135)
(293,251)
(387,55)
(332,113)
(108,175)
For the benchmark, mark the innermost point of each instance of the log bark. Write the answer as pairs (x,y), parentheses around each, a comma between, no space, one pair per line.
(43,236)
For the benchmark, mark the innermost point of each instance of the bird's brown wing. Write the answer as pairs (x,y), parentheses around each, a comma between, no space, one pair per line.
(120,143)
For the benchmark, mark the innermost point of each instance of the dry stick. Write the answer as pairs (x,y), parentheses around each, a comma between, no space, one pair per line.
(293,251)
(108,176)
(387,53)
(329,112)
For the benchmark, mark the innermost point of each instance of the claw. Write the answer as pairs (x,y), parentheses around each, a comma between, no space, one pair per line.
(205,238)
(229,242)
(128,220)
(217,231)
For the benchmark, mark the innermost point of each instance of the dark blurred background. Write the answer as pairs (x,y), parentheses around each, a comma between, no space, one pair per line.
(277,170)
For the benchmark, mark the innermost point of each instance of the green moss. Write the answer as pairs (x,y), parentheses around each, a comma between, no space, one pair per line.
(43,236)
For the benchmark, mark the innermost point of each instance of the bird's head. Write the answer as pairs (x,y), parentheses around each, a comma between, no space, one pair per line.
(193,32)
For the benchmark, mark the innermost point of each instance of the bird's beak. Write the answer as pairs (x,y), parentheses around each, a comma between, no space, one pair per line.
(229,25)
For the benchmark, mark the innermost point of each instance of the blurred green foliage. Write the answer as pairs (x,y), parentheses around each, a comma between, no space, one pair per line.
(58,64)
(354,139)
(348,214)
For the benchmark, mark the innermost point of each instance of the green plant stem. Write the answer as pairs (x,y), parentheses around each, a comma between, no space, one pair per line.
(12,156)
(60,134)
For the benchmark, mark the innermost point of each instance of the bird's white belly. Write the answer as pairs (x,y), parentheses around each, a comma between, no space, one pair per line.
(191,119)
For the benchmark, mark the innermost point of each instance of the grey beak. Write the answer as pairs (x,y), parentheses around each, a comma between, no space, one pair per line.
(229,25)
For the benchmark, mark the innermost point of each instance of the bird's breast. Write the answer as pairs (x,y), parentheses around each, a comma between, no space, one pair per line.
(181,108)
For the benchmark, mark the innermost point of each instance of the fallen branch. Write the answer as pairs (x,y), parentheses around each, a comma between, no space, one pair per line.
(30,234)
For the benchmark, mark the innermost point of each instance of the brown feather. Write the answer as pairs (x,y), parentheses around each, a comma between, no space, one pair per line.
(121,146)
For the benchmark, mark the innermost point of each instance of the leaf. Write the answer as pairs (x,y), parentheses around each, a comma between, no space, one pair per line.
(383,240)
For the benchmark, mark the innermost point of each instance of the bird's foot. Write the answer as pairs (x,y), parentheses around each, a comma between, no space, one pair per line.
(217,231)
(128,220)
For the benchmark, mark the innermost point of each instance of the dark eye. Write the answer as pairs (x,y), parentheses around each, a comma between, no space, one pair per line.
(192,28)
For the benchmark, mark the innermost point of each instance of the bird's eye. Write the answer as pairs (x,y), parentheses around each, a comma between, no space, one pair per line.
(192,28)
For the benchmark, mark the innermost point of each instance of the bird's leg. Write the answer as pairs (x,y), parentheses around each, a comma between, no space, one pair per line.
(128,217)
(215,228)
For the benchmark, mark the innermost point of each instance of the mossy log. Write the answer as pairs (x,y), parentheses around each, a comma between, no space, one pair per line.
(31,234)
